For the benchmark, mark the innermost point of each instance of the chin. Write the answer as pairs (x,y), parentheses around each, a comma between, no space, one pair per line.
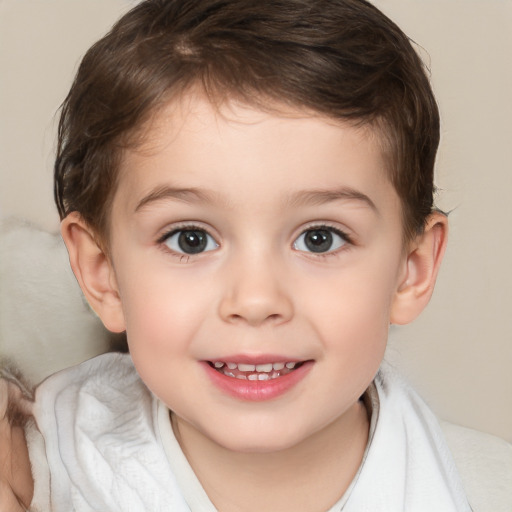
(258,447)
(259,441)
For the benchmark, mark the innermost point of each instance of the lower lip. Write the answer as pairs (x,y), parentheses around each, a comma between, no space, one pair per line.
(257,390)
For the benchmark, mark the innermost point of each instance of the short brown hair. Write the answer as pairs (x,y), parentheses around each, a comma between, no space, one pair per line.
(340,58)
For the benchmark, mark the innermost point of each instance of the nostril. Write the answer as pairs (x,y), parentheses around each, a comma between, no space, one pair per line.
(255,303)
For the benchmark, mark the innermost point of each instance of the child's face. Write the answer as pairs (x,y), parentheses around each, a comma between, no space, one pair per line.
(258,239)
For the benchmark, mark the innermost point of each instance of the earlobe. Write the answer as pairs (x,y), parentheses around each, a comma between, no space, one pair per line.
(421,267)
(93,271)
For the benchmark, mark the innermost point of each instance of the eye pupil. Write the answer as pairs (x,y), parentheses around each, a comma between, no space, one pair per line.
(318,240)
(192,242)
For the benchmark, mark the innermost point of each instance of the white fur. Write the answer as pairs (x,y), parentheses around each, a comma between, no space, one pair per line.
(45,323)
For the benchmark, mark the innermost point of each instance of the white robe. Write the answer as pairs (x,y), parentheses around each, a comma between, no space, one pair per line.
(104,443)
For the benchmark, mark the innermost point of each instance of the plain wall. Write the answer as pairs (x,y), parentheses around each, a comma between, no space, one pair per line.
(459,353)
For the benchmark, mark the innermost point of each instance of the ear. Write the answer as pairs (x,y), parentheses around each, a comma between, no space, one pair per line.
(421,266)
(93,271)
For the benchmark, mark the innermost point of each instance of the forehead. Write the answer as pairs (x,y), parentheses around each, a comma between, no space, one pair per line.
(238,150)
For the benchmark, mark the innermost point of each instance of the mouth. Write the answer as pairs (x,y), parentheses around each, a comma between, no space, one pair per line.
(255,372)
(250,379)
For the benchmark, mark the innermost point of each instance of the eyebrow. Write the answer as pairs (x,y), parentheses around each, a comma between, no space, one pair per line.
(323,196)
(302,198)
(187,195)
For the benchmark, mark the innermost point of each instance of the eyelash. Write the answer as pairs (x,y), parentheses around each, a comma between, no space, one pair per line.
(347,239)
(184,257)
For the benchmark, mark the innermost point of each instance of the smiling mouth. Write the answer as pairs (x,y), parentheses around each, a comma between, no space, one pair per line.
(267,371)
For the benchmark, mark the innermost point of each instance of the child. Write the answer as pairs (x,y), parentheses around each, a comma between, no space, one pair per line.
(246,189)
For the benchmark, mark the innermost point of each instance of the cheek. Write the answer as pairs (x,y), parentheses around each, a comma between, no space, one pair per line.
(352,308)
(162,311)
(160,323)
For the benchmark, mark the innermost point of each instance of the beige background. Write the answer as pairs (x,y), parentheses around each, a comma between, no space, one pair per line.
(459,353)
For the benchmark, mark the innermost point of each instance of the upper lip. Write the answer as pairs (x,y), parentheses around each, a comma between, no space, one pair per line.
(255,359)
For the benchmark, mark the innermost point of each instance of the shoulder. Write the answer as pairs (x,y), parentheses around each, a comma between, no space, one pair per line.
(102,387)
(485,465)
(483,462)
(94,374)
(101,439)
(408,464)
(101,397)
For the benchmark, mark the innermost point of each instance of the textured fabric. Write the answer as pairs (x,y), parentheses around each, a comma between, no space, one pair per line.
(409,467)
(103,452)
(107,447)
(193,492)
(485,465)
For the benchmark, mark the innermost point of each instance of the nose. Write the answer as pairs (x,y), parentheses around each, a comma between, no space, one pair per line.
(255,294)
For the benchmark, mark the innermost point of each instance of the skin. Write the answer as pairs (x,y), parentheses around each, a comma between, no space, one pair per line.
(16,484)
(259,181)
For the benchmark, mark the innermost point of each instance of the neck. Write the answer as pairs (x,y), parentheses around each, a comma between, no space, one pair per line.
(309,477)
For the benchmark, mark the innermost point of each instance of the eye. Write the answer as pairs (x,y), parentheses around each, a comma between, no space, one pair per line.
(320,240)
(190,241)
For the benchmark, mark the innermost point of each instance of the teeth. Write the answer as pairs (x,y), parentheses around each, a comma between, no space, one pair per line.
(262,367)
(265,371)
(246,367)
